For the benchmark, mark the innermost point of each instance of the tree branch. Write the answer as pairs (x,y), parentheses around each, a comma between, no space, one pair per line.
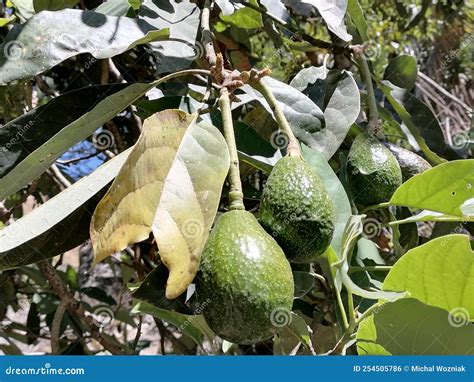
(74,307)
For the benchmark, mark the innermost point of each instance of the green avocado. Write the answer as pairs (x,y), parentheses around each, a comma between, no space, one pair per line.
(410,163)
(296,209)
(372,170)
(245,285)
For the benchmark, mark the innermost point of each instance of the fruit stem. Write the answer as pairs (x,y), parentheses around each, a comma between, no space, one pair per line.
(367,78)
(236,196)
(293,148)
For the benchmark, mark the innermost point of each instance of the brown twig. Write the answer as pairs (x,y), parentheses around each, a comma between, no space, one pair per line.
(75,308)
(206,33)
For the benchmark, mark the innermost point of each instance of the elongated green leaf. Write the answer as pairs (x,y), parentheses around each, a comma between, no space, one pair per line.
(58,225)
(49,38)
(53,5)
(342,207)
(31,143)
(245,17)
(407,119)
(194,327)
(408,326)
(172,182)
(303,115)
(357,15)
(402,71)
(439,273)
(447,188)
(152,291)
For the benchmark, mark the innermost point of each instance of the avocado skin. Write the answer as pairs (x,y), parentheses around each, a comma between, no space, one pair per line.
(244,280)
(372,170)
(410,163)
(297,211)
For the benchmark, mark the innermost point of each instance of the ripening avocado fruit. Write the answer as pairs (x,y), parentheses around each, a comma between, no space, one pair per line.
(410,163)
(297,211)
(372,170)
(245,282)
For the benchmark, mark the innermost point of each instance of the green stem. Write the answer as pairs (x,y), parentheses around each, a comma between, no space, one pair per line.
(367,78)
(293,148)
(427,219)
(342,309)
(379,268)
(375,207)
(236,196)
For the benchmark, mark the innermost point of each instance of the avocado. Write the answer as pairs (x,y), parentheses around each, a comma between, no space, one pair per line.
(372,170)
(410,163)
(245,284)
(296,209)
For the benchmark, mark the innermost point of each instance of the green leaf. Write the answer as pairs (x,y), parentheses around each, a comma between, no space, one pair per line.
(194,327)
(35,237)
(31,143)
(333,13)
(246,18)
(114,8)
(402,71)
(424,119)
(351,233)
(53,5)
(410,123)
(439,273)
(304,282)
(181,18)
(5,21)
(357,15)
(409,327)
(49,38)
(152,291)
(303,115)
(447,188)
(342,207)
(255,150)
(336,92)
(290,338)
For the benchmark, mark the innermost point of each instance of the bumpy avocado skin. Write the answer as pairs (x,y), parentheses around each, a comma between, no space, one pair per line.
(373,171)
(410,163)
(245,282)
(297,211)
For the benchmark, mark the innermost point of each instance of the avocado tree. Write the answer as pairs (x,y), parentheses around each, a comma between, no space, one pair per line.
(235,177)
